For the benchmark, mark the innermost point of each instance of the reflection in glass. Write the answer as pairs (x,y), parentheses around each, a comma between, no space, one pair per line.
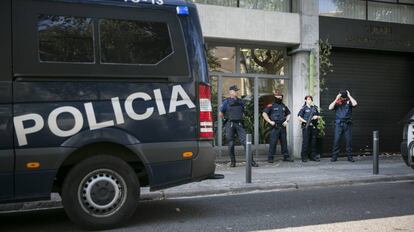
(390,13)
(406,1)
(271,5)
(133,42)
(354,9)
(265,61)
(266,90)
(221,59)
(65,39)
(232,3)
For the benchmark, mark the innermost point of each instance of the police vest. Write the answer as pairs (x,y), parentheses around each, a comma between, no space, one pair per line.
(344,112)
(278,113)
(235,110)
(308,111)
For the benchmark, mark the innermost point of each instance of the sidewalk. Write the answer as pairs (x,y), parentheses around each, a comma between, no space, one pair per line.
(276,176)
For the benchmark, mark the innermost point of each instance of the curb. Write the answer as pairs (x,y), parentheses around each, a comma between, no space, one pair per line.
(245,188)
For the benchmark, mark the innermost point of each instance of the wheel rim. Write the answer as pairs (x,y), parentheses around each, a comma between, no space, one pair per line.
(102,193)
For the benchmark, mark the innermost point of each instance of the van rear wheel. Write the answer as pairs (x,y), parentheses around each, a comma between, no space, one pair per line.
(101,192)
(410,159)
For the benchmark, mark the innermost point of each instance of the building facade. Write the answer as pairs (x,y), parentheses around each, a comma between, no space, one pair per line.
(267,45)
(373,56)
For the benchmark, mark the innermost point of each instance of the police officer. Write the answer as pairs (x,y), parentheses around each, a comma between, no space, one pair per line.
(309,116)
(343,105)
(232,109)
(277,115)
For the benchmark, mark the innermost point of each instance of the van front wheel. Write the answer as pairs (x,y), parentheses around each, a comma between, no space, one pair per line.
(101,192)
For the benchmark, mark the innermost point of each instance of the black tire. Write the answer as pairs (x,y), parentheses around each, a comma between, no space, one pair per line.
(100,192)
(411,152)
(405,158)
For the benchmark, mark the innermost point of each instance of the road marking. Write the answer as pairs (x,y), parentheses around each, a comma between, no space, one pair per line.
(403,223)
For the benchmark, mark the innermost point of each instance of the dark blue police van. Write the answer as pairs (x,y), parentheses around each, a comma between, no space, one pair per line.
(99,98)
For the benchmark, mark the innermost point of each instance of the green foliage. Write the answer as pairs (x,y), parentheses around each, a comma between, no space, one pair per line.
(264,127)
(213,62)
(321,125)
(325,65)
(262,61)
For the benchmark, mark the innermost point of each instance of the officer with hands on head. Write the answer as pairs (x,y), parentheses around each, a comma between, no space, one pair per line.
(309,116)
(232,109)
(343,105)
(277,115)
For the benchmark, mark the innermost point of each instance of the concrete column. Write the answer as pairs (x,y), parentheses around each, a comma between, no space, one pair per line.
(301,82)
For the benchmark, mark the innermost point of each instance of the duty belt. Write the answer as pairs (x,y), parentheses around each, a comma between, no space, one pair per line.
(278,125)
(346,121)
(235,122)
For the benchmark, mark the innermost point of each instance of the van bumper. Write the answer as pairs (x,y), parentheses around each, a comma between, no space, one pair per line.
(204,165)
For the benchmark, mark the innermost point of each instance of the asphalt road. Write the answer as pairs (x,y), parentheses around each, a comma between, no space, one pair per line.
(252,212)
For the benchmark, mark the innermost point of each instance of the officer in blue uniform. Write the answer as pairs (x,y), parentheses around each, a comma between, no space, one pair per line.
(232,109)
(277,115)
(309,116)
(343,105)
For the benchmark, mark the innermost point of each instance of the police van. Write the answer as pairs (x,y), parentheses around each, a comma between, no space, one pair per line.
(407,145)
(99,98)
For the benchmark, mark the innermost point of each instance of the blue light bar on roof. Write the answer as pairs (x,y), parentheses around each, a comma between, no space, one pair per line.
(183,10)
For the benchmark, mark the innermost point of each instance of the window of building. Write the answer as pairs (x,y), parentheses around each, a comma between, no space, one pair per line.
(354,9)
(394,11)
(232,3)
(406,1)
(270,5)
(222,59)
(65,39)
(133,42)
(266,61)
(257,72)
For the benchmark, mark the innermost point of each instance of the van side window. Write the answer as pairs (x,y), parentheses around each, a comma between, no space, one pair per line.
(65,39)
(134,42)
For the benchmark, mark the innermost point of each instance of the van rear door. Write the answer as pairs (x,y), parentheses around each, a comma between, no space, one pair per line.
(6,128)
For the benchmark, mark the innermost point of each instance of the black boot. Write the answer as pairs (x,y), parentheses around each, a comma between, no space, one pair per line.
(334,159)
(232,161)
(350,159)
(287,159)
(254,164)
(315,159)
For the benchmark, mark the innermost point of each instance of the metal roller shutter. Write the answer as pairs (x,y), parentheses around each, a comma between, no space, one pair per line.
(383,85)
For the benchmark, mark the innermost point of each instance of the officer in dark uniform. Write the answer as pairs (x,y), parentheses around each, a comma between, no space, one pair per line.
(343,105)
(232,109)
(277,115)
(309,116)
